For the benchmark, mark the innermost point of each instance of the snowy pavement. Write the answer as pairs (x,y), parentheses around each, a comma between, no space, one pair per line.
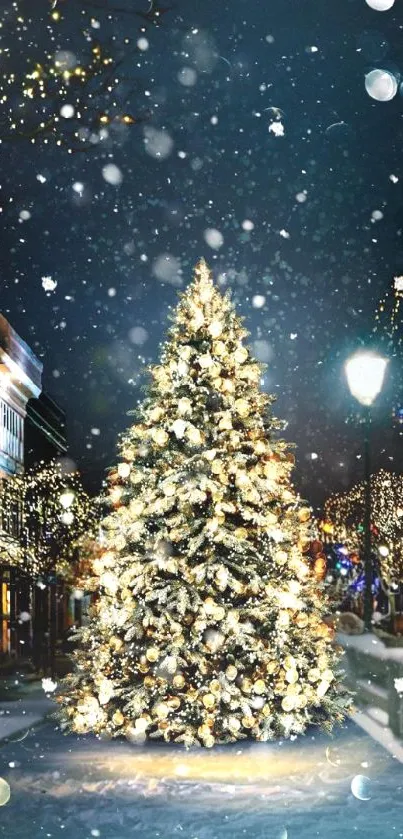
(81,787)
(25,712)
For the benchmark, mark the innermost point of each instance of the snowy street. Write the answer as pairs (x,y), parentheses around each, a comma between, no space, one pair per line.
(79,788)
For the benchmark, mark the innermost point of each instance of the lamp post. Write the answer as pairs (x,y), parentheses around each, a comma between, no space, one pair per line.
(365,373)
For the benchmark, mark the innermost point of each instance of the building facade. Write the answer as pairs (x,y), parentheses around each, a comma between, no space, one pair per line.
(32,429)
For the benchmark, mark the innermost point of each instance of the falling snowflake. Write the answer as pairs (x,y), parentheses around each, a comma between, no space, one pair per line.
(277,128)
(48,685)
(398,283)
(48,283)
(399,685)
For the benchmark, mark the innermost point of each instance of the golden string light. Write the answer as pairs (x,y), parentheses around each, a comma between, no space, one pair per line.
(344,513)
(43,515)
(51,95)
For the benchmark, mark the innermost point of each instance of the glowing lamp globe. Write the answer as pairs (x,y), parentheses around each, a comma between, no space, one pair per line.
(365,373)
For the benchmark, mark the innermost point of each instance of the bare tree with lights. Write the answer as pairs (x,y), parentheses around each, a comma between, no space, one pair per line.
(209,625)
(70,81)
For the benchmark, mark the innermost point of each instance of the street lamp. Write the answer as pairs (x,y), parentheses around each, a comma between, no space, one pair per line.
(365,372)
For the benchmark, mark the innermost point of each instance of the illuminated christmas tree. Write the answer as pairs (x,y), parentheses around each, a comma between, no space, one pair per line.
(208,626)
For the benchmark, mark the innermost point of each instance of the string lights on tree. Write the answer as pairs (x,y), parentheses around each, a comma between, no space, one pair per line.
(208,627)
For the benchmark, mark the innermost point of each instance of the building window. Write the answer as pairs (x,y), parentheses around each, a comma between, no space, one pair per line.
(11,432)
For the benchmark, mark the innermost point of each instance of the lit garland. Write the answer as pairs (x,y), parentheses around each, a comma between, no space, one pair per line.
(53,95)
(209,625)
(44,514)
(389,308)
(344,513)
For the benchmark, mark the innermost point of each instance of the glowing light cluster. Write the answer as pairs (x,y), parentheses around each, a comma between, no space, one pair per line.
(54,96)
(43,516)
(345,514)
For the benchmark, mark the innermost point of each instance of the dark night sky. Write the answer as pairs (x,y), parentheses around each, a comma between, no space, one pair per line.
(211,74)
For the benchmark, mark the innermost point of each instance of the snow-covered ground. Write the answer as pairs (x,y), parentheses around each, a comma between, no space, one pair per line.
(79,788)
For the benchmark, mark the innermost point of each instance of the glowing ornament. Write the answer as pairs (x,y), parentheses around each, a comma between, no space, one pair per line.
(152,654)
(240,355)
(193,435)
(182,368)
(205,361)
(259,687)
(184,406)
(209,700)
(304,514)
(215,329)
(156,414)
(179,681)
(231,672)
(288,703)
(241,407)
(291,676)
(234,724)
(109,581)
(160,436)
(124,470)
(118,718)
(161,710)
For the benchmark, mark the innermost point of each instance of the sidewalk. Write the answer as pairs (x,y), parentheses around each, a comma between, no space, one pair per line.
(17,715)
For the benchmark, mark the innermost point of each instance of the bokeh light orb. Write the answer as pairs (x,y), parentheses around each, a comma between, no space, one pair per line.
(5,792)
(381,85)
(361,787)
(380,5)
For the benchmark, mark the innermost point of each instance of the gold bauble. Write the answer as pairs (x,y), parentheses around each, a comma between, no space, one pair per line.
(272,667)
(314,674)
(302,620)
(241,533)
(219,348)
(216,328)
(234,724)
(289,662)
(116,643)
(246,685)
(248,722)
(288,703)
(219,613)
(152,654)
(208,700)
(161,710)
(209,742)
(149,682)
(174,703)
(304,514)
(240,355)
(241,407)
(143,667)
(118,718)
(231,672)
(279,687)
(179,681)
(291,676)
(259,687)
(203,731)
(215,687)
(160,437)
(283,619)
